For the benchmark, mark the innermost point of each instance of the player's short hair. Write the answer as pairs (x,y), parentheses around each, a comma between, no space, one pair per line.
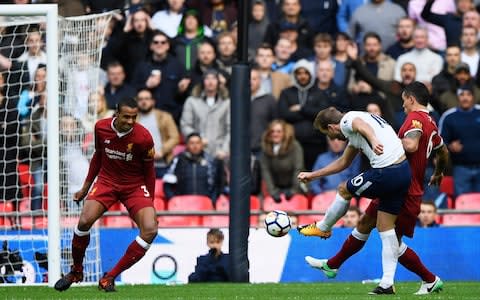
(193,134)
(127,101)
(114,64)
(419,91)
(372,35)
(430,203)
(162,33)
(355,209)
(216,233)
(323,38)
(327,116)
(265,46)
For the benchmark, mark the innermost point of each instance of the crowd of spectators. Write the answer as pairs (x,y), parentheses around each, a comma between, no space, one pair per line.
(176,57)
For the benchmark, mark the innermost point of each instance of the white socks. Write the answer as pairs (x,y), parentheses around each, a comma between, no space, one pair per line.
(142,243)
(334,212)
(78,232)
(390,250)
(360,236)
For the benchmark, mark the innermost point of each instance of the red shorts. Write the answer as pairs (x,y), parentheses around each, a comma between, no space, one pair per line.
(133,197)
(406,220)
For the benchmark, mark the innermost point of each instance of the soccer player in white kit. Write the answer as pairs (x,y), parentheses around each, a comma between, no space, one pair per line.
(388,179)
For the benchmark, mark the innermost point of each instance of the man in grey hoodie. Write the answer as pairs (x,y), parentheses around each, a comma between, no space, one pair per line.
(298,105)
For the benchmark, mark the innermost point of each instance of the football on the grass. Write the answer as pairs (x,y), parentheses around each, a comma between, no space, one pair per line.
(278,223)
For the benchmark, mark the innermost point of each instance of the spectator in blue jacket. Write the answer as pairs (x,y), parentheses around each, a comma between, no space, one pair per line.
(459,127)
(327,183)
(213,266)
(194,172)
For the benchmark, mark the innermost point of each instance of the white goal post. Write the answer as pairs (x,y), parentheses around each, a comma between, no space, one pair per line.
(72,54)
(50,11)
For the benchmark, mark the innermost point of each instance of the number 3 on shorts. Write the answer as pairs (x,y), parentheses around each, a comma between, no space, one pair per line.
(145,191)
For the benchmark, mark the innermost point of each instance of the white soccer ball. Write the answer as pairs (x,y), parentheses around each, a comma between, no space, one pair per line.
(278,223)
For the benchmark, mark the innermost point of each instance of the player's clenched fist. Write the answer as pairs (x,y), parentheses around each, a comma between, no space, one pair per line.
(78,196)
(305,176)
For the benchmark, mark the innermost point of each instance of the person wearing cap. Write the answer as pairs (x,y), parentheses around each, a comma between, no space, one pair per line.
(459,127)
(462,76)
(207,111)
(291,17)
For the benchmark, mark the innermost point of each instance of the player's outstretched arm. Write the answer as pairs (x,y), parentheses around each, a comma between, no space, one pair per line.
(334,167)
(366,131)
(441,162)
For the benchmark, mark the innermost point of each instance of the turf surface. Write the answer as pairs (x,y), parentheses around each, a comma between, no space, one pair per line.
(291,291)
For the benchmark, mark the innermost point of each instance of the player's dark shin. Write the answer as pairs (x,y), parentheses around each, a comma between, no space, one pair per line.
(135,251)
(410,260)
(80,242)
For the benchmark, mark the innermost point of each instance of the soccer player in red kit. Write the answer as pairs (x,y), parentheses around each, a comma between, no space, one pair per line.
(124,168)
(420,137)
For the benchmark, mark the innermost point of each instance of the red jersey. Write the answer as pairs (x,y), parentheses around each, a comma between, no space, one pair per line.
(429,140)
(123,155)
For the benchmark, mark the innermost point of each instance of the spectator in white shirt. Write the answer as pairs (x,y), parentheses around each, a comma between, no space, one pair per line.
(427,62)
(470,53)
(34,54)
(169,19)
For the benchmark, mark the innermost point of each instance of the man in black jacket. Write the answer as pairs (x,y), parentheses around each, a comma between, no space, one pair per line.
(194,172)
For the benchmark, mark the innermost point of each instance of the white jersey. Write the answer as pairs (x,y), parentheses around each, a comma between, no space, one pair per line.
(392,145)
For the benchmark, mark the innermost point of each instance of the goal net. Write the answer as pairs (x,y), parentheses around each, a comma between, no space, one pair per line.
(24,204)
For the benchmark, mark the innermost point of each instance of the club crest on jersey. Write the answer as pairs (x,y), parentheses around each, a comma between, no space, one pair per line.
(129,147)
(416,124)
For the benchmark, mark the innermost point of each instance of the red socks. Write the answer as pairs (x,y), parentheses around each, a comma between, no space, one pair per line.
(79,246)
(351,246)
(412,262)
(133,254)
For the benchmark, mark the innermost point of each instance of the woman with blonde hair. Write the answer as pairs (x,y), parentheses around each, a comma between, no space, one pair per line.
(281,160)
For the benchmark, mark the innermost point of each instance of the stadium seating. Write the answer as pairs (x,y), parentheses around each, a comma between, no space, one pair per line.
(5,207)
(185,203)
(223,204)
(159,193)
(461,220)
(118,221)
(297,202)
(363,203)
(468,201)
(25,179)
(322,201)
(447,186)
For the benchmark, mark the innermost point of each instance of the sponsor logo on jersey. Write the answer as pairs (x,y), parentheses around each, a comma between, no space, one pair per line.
(416,124)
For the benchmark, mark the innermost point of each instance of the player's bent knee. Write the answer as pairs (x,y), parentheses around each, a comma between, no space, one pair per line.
(149,232)
(366,224)
(343,191)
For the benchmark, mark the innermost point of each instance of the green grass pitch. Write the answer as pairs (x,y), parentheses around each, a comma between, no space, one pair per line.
(291,291)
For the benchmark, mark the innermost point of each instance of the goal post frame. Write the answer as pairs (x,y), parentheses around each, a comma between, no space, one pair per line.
(50,11)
